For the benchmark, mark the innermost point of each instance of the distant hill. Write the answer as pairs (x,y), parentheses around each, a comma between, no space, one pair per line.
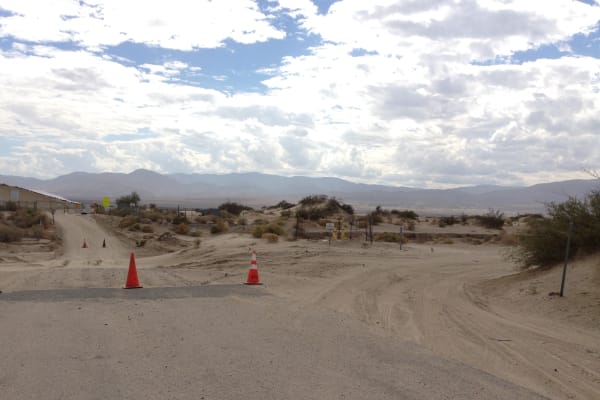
(204,190)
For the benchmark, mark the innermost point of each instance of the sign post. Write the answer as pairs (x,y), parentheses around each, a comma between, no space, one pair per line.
(329,226)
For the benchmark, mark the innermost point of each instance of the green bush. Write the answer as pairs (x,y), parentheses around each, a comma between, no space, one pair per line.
(543,242)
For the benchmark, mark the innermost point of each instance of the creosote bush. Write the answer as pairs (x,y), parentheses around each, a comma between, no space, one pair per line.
(219,227)
(544,240)
(492,220)
(233,208)
(446,221)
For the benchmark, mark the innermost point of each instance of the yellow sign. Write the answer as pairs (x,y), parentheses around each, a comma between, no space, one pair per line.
(105,202)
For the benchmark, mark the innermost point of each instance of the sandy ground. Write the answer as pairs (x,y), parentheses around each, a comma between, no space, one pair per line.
(346,321)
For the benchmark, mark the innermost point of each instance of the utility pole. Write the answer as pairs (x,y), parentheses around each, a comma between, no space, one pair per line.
(564,274)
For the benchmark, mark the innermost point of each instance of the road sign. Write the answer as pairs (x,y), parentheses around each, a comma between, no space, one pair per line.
(106,202)
(329,226)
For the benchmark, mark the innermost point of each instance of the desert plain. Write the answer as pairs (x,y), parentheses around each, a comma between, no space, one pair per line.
(449,319)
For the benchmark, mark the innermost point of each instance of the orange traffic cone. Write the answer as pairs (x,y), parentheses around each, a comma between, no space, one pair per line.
(132,276)
(253,271)
(84,245)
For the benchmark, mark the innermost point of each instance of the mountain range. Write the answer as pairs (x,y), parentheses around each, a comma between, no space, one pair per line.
(256,189)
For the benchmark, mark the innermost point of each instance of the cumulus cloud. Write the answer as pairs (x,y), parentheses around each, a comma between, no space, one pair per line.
(424,93)
(178,24)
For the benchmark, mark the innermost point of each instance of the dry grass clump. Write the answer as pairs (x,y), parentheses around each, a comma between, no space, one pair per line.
(127,221)
(390,237)
(182,229)
(260,230)
(271,237)
(10,234)
(15,225)
(147,229)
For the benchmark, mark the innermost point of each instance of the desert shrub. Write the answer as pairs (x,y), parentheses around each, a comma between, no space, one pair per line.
(204,219)
(233,208)
(284,205)
(376,217)
(10,234)
(314,199)
(392,237)
(26,218)
(406,214)
(260,230)
(271,237)
(543,242)
(446,221)
(180,219)
(127,221)
(182,229)
(135,227)
(219,227)
(8,206)
(242,221)
(347,208)
(311,213)
(147,229)
(492,220)
(152,214)
(411,225)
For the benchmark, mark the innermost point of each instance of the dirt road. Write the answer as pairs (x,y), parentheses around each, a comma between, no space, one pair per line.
(344,321)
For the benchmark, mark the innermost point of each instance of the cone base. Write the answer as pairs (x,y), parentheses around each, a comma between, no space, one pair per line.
(251,283)
(133,287)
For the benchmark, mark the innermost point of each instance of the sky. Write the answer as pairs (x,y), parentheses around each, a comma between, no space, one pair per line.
(421,93)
